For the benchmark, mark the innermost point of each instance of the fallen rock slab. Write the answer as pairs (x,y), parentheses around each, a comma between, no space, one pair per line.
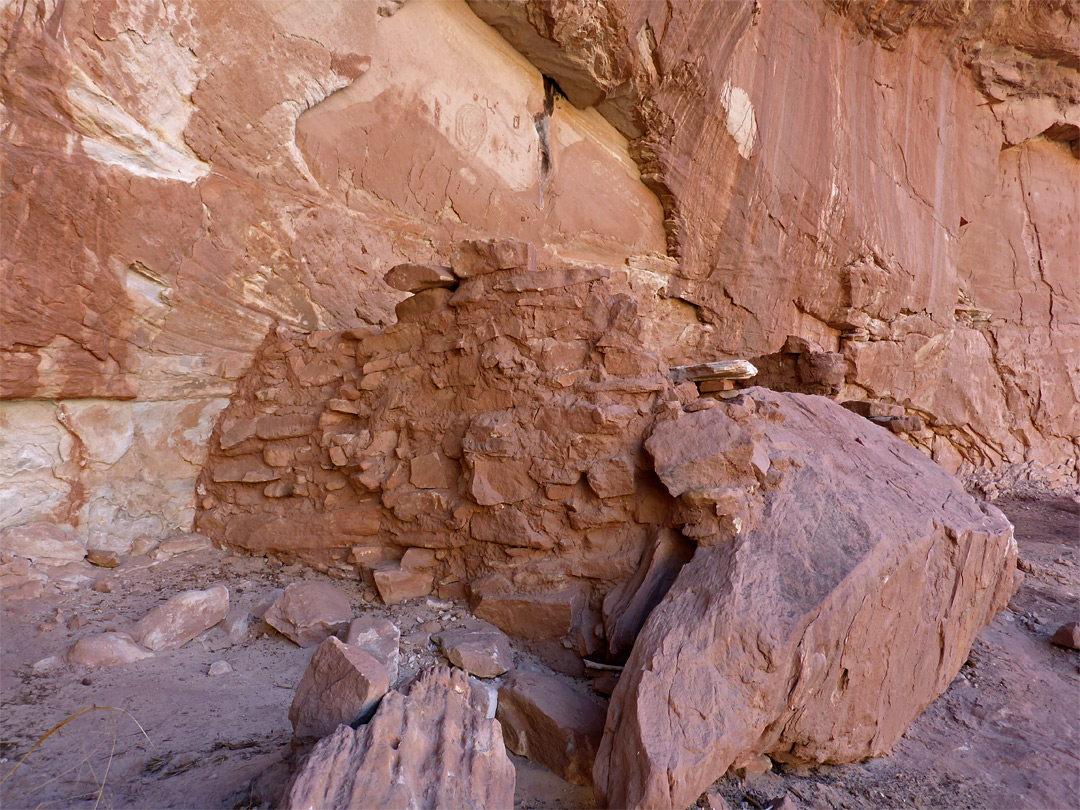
(44,543)
(181,618)
(481,649)
(341,685)
(820,630)
(430,748)
(309,612)
(107,650)
(379,637)
(552,724)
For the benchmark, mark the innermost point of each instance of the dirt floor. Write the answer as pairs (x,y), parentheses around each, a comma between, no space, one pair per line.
(1005,735)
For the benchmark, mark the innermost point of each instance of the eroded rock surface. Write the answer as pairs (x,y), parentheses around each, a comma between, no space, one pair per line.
(817,625)
(429,748)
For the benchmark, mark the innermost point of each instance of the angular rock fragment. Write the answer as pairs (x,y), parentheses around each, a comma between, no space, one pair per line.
(479,649)
(397,583)
(107,650)
(379,637)
(183,543)
(1068,635)
(551,723)
(341,685)
(822,632)
(430,748)
(898,424)
(308,612)
(181,618)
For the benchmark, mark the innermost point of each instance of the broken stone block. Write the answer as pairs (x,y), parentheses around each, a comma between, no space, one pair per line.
(379,637)
(431,748)
(822,369)
(107,650)
(341,685)
(534,616)
(237,625)
(396,584)
(418,559)
(277,455)
(547,721)
(480,649)
(611,477)
(416,278)
(308,612)
(627,606)
(433,471)
(181,618)
(421,305)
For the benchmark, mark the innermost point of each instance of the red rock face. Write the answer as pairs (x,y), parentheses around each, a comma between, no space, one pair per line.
(860,172)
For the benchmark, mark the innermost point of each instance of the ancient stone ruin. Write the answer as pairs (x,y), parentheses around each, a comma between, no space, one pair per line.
(582,384)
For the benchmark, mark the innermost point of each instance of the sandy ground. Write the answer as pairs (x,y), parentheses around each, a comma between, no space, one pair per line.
(1005,735)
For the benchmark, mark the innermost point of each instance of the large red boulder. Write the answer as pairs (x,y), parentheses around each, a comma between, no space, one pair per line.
(819,625)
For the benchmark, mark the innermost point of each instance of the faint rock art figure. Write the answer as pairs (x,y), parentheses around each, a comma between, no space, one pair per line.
(470,126)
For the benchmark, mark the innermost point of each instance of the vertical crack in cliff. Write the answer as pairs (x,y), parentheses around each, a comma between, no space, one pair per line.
(1025,196)
(542,122)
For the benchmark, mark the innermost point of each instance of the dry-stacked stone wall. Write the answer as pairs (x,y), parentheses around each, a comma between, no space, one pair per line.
(488,445)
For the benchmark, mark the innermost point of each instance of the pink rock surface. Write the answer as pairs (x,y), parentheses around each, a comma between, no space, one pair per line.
(107,650)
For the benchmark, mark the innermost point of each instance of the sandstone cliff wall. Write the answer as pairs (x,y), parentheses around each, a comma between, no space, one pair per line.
(179,179)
